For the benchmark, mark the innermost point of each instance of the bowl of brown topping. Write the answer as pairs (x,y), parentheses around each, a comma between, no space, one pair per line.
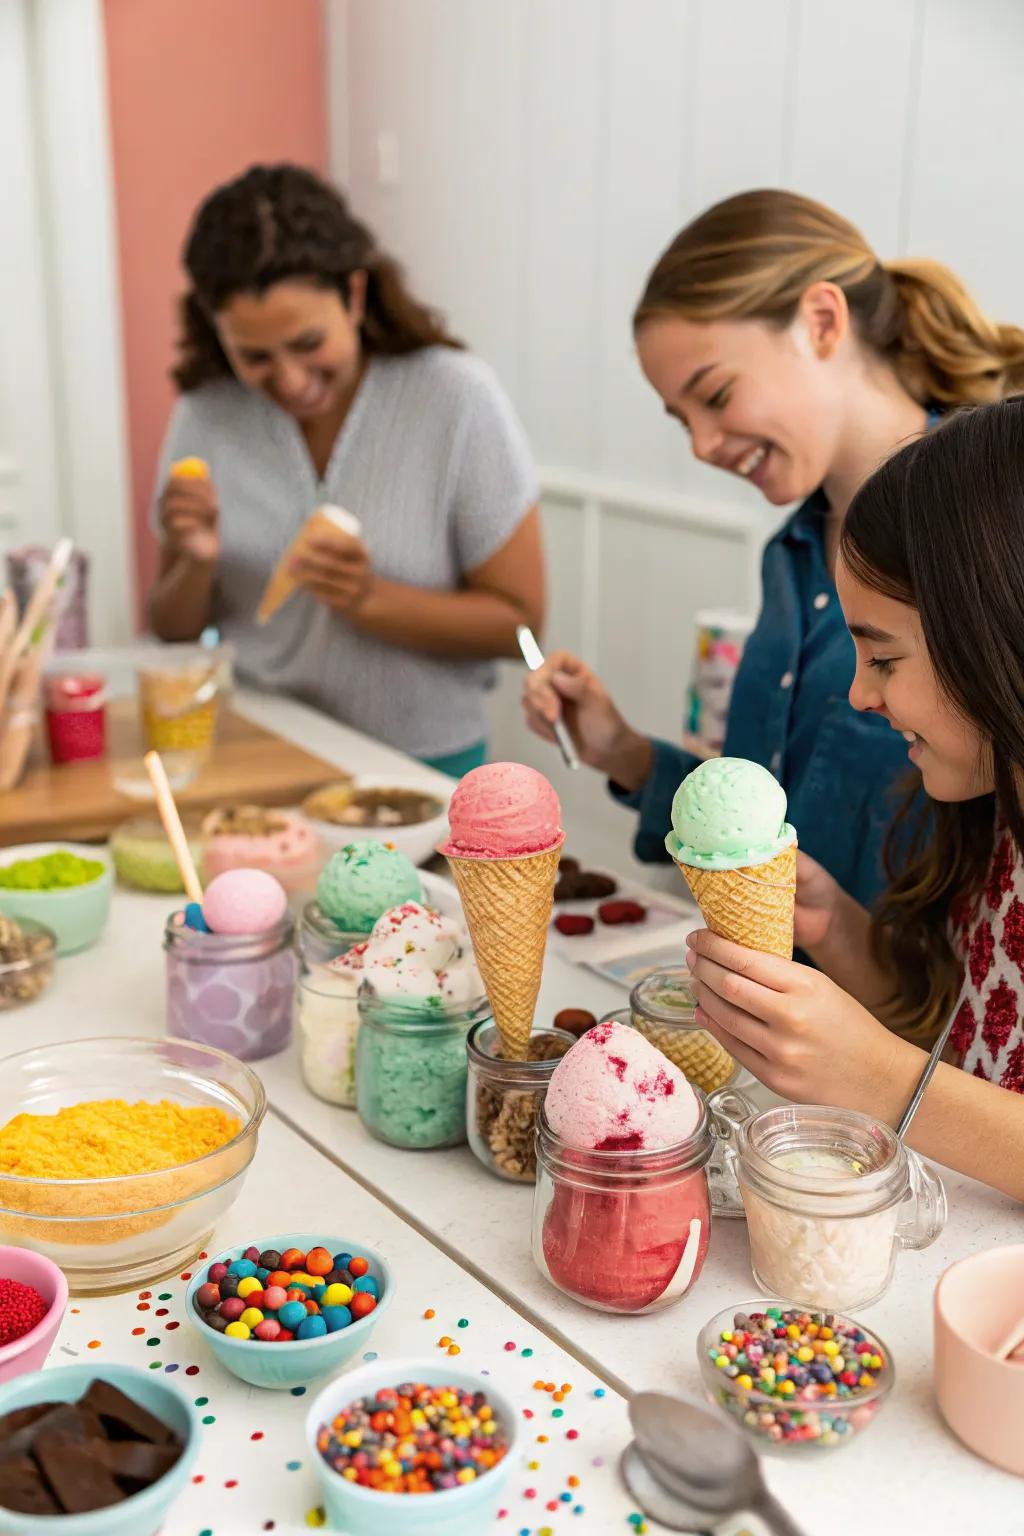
(412,815)
(27,952)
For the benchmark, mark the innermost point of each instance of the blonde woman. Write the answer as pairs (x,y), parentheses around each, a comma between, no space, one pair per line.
(796,359)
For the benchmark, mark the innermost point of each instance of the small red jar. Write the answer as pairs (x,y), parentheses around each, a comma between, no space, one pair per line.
(76,717)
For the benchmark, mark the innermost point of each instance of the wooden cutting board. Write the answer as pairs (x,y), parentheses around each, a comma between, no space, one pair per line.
(78,802)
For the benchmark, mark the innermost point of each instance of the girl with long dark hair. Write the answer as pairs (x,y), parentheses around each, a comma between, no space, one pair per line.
(310,374)
(931,581)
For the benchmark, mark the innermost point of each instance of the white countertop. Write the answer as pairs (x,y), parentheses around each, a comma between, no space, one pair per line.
(909,1475)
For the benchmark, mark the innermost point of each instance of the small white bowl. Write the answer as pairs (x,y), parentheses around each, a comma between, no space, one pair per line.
(418,841)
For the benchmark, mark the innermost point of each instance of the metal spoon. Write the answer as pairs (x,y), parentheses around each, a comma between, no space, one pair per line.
(698,1467)
(927,1072)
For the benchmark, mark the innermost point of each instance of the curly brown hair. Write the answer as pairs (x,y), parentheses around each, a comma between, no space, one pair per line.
(276,222)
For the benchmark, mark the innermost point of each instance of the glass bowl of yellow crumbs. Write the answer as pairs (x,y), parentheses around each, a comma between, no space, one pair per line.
(119,1156)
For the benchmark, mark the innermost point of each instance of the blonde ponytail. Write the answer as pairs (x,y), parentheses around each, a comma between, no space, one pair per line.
(753,256)
(949,351)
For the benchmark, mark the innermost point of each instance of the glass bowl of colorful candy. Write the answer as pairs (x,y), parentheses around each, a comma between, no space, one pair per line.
(396,1428)
(284,1310)
(793,1378)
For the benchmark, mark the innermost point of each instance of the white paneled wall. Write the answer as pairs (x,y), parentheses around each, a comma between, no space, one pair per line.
(529,159)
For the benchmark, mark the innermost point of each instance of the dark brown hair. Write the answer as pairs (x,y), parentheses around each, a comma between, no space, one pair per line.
(277,222)
(941,526)
(752,257)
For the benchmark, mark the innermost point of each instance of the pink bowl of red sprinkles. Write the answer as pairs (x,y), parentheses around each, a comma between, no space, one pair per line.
(33,1298)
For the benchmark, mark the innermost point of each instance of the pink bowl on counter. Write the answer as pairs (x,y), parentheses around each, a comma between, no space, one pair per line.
(979,1311)
(29,1352)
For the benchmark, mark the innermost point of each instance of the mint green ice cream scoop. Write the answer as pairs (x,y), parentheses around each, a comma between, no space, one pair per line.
(727,813)
(363,880)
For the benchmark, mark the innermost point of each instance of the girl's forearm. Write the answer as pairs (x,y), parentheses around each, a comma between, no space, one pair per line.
(473,622)
(969,1124)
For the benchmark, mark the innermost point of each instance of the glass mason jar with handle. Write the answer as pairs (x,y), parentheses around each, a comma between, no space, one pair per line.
(831,1196)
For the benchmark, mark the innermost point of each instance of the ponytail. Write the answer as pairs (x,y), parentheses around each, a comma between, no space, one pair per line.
(948,350)
(753,256)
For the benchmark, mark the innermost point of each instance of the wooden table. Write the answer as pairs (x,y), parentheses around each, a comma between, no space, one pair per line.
(78,802)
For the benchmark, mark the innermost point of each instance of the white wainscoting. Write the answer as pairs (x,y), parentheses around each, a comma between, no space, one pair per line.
(629,568)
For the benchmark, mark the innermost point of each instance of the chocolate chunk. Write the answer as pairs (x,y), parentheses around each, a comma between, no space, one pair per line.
(67,1418)
(135,1461)
(123,1419)
(19,1417)
(23,1487)
(76,1477)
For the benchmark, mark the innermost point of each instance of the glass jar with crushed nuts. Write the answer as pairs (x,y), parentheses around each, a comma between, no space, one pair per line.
(504,1098)
(662,1008)
(27,951)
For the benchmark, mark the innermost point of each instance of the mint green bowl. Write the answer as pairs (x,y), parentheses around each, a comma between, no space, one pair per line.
(77,914)
(145,1513)
(296,1362)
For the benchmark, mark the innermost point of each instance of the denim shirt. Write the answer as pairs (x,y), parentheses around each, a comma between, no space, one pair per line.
(789,711)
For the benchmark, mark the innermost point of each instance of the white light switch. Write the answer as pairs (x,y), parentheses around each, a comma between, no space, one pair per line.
(387,158)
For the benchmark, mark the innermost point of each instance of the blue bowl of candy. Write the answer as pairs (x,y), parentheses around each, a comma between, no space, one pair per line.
(807,1391)
(468,1508)
(141,1514)
(278,1324)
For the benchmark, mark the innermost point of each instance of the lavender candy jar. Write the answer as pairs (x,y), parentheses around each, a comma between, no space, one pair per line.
(232,991)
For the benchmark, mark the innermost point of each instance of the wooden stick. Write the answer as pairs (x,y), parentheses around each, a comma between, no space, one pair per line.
(35,611)
(172,826)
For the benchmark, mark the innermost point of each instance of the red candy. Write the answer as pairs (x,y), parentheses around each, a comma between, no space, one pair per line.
(358,1267)
(208,1295)
(615,912)
(21,1309)
(573,927)
(362,1304)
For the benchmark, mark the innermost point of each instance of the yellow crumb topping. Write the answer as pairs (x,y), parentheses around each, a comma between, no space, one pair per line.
(109,1138)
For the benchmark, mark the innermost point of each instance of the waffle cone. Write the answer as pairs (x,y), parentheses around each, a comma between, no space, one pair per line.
(508,904)
(753,906)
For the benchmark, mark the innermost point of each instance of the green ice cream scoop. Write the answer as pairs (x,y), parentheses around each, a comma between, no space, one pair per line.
(727,813)
(363,880)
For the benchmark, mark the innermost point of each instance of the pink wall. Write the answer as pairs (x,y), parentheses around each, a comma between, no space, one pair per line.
(198,90)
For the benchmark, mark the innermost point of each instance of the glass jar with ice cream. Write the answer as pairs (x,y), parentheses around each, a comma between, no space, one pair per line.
(831,1196)
(663,1008)
(622,1213)
(412,956)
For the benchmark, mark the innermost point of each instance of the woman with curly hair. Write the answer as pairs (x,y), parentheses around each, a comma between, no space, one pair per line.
(309,374)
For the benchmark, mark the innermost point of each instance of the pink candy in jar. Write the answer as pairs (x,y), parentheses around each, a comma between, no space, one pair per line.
(622,1212)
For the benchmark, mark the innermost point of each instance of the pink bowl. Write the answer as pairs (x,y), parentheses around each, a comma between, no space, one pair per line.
(978,1309)
(29,1353)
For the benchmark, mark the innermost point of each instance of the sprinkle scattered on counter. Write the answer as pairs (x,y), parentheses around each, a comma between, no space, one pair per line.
(414,1439)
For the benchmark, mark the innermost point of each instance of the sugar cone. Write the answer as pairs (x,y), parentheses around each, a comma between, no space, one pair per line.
(329,521)
(753,906)
(508,904)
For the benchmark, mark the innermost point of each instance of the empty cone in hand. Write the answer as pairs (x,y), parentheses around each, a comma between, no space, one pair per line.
(731,840)
(503,848)
(325,522)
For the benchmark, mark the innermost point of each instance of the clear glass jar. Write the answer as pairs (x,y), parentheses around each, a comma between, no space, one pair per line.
(662,1007)
(830,1196)
(622,1231)
(411,1069)
(503,1098)
(320,940)
(232,991)
(328,1022)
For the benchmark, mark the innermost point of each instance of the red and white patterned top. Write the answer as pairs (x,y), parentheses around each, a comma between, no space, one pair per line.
(987,934)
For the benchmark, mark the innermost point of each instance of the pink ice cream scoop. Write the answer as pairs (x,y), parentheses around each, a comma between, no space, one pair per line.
(614,1091)
(503,811)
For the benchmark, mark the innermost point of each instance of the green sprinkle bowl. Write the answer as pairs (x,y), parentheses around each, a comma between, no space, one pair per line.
(77,914)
